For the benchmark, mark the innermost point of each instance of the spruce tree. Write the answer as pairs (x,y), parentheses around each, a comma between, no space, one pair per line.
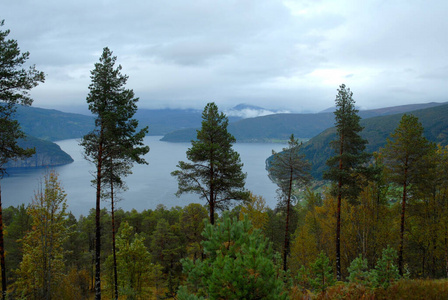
(289,169)
(347,169)
(215,171)
(115,142)
(405,164)
(15,83)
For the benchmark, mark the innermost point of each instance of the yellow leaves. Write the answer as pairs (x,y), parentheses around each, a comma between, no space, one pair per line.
(255,209)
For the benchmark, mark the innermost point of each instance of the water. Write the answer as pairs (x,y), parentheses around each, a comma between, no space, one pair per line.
(149,185)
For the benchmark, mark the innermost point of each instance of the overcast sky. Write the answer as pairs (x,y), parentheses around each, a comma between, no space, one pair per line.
(276,54)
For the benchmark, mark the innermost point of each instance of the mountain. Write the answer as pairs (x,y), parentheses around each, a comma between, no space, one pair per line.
(163,121)
(279,127)
(376,130)
(53,125)
(48,154)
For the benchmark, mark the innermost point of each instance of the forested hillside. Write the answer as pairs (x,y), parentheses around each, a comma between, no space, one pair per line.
(48,154)
(52,125)
(278,127)
(376,130)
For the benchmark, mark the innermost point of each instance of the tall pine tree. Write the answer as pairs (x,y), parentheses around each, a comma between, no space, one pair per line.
(289,169)
(405,164)
(115,141)
(15,83)
(215,171)
(347,169)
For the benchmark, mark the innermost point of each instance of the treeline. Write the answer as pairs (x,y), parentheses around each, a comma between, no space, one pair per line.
(152,246)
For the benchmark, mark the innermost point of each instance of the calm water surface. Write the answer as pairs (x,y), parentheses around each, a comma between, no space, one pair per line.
(149,185)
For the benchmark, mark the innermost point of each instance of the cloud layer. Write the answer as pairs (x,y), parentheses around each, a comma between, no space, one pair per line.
(276,54)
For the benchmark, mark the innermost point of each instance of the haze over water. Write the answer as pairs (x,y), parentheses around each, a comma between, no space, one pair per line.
(149,185)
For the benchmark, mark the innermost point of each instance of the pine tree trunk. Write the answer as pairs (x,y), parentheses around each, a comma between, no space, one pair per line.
(97,222)
(113,240)
(403,210)
(288,204)
(212,197)
(2,250)
(212,212)
(338,215)
(338,239)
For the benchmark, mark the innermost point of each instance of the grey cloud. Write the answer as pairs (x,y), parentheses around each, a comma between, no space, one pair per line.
(288,53)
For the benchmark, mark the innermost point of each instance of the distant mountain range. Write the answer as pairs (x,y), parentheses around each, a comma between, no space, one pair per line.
(178,125)
(279,127)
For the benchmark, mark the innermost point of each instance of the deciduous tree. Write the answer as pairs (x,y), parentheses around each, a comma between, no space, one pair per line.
(42,266)
(215,171)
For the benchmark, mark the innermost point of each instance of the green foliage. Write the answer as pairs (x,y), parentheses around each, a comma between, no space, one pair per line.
(386,271)
(215,171)
(15,83)
(239,264)
(165,246)
(406,165)
(347,167)
(114,145)
(42,267)
(321,276)
(405,151)
(359,272)
(134,263)
(289,170)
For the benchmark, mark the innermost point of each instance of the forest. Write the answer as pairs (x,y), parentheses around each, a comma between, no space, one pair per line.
(373,226)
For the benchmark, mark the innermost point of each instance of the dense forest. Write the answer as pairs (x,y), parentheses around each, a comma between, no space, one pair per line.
(371,226)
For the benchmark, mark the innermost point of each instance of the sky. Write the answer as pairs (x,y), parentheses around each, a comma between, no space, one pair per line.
(287,55)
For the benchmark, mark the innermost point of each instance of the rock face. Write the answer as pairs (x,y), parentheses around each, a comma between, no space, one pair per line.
(48,154)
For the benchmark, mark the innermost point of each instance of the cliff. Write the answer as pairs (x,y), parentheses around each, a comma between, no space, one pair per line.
(48,154)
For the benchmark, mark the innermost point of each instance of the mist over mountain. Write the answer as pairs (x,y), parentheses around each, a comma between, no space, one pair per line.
(245,111)
(278,127)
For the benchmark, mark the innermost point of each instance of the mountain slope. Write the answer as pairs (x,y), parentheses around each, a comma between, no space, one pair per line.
(376,131)
(53,125)
(48,154)
(280,126)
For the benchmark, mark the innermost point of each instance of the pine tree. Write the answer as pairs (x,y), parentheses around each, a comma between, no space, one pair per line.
(15,82)
(114,143)
(289,170)
(405,164)
(239,264)
(215,171)
(347,168)
(321,277)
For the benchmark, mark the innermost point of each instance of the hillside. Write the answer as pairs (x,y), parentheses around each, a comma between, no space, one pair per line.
(278,127)
(376,131)
(47,154)
(52,125)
